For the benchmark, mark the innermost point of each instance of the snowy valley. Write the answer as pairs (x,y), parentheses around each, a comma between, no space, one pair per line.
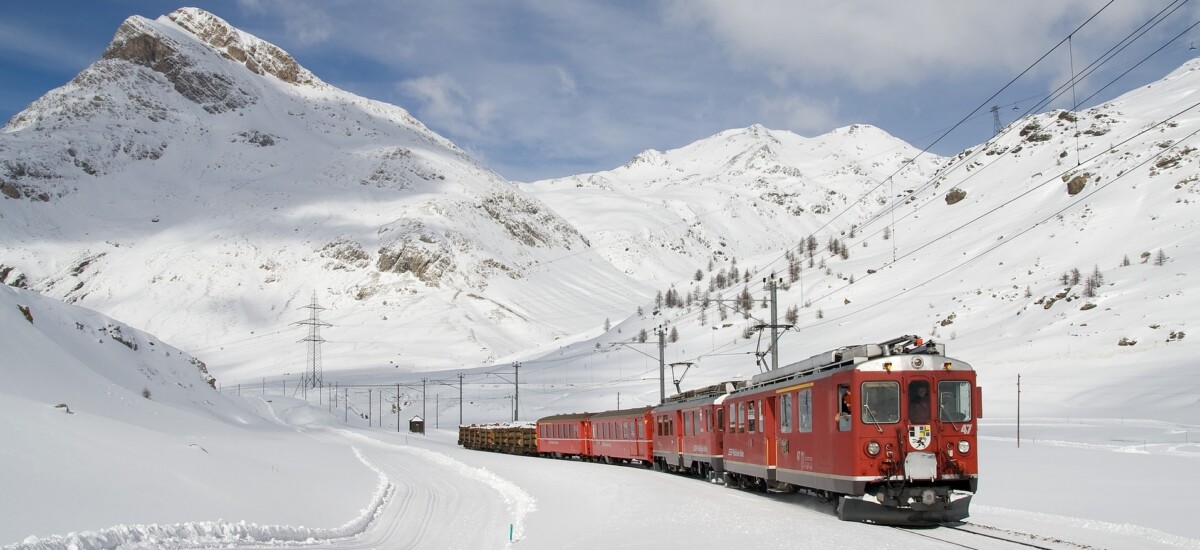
(169,214)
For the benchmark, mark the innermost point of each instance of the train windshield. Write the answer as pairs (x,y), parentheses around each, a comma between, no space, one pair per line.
(954,400)
(880,402)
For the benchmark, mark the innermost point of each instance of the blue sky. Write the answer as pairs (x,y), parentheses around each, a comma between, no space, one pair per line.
(548,88)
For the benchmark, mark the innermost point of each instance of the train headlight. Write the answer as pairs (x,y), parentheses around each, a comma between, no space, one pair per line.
(964,446)
(873,448)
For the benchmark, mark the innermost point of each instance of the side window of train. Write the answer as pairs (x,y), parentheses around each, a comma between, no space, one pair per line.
(954,400)
(804,403)
(750,417)
(741,418)
(843,408)
(880,402)
(785,414)
(721,419)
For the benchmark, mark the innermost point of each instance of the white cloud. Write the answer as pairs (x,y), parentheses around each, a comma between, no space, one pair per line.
(798,113)
(443,103)
(873,45)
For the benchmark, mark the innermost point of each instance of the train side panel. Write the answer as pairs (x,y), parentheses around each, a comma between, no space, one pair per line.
(564,435)
(623,436)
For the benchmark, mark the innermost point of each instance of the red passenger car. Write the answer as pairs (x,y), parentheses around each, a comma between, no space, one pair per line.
(564,435)
(688,430)
(889,429)
(622,436)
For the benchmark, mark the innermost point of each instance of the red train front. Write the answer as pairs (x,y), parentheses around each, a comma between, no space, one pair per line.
(888,429)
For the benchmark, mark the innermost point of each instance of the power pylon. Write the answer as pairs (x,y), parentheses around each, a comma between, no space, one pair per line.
(313,375)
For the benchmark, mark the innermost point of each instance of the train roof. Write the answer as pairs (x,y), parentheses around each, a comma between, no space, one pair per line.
(565,417)
(910,353)
(623,412)
(700,396)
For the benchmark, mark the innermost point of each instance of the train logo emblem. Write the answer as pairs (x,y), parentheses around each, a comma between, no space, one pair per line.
(918,437)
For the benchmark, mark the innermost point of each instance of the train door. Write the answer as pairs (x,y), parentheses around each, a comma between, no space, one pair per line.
(770,430)
(832,415)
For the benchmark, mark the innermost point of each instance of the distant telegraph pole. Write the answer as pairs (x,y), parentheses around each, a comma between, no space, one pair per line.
(313,375)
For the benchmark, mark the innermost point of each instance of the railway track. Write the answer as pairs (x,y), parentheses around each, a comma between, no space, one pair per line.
(976,536)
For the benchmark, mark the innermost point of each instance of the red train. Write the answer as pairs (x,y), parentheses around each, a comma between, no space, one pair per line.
(887,430)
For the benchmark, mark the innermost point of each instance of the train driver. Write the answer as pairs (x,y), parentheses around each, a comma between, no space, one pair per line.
(918,402)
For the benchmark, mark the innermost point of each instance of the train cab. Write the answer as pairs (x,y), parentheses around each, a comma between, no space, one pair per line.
(888,429)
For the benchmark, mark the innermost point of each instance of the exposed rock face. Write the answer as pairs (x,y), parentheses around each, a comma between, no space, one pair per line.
(260,57)
(139,43)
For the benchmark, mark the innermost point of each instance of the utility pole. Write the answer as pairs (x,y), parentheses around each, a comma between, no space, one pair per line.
(996,120)
(1018,410)
(773,286)
(662,361)
(662,364)
(424,410)
(313,373)
(516,389)
(397,408)
(460,398)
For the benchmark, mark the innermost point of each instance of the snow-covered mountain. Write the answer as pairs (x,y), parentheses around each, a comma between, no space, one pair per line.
(740,193)
(1062,248)
(198,181)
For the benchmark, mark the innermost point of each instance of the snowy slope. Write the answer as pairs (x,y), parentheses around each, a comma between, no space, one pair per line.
(105,425)
(196,180)
(974,254)
(740,193)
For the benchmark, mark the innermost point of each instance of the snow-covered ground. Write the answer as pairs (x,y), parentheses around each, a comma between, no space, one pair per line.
(150,456)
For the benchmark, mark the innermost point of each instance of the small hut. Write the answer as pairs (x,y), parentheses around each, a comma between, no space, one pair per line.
(416,425)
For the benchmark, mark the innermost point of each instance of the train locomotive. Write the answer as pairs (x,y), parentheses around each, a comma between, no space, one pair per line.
(886,431)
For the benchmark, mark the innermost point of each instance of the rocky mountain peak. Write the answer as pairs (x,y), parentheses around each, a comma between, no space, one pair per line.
(259,56)
(179,58)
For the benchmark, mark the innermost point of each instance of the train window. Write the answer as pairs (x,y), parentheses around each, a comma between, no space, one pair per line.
(687,424)
(641,430)
(954,401)
(804,404)
(880,402)
(844,414)
(918,401)
(785,414)
(721,419)
(750,417)
(741,418)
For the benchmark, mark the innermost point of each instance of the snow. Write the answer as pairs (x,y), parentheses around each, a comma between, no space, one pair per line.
(210,252)
(197,468)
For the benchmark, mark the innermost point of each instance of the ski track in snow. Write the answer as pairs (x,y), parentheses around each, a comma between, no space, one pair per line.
(417,492)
